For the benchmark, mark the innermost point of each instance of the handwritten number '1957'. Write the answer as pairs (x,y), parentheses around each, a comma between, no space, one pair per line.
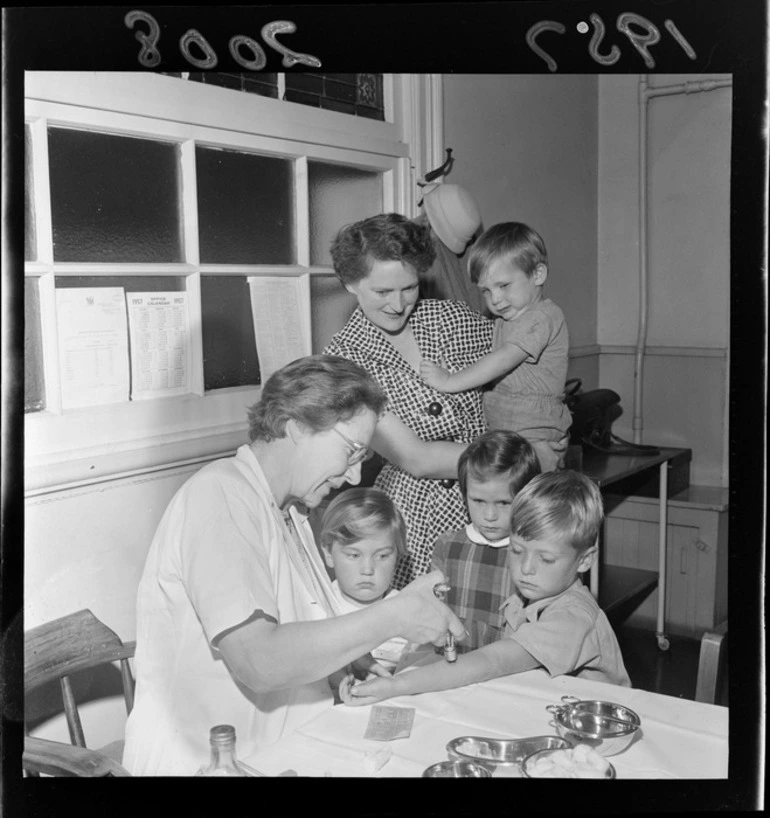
(149,56)
(640,41)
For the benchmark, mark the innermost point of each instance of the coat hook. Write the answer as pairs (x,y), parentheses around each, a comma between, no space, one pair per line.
(440,171)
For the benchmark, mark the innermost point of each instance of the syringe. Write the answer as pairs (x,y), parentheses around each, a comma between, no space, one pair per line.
(450,651)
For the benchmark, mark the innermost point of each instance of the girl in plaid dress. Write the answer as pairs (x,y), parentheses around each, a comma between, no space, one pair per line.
(491,471)
(380,260)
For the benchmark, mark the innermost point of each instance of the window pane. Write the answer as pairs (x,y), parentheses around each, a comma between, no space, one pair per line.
(245,208)
(330,307)
(34,383)
(265,85)
(338,195)
(355,94)
(114,198)
(30,251)
(369,95)
(229,346)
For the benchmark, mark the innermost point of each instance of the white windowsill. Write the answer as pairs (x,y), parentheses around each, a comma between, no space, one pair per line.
(81,445)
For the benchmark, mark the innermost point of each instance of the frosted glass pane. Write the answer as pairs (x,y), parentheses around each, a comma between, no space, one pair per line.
(30,253)
(330,307)
(245,208)
(229,346)
(34,384)
(114,198)
(338,195)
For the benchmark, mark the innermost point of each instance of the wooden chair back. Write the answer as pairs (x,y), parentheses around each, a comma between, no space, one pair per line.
(57,650)
(712,666)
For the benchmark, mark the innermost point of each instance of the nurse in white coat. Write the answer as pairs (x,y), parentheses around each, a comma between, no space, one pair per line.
(236,619)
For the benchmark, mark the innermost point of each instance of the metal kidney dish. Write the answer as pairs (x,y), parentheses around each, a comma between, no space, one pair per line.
(501,755)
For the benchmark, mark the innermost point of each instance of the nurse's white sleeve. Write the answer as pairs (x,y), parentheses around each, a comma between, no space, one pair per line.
(225,564)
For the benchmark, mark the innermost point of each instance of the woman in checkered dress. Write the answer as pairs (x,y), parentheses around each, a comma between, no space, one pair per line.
(423,433)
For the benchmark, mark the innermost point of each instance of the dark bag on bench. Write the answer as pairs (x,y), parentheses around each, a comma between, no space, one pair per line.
(593,414)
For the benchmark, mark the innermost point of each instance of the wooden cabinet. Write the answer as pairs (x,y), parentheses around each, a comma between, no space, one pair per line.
(696,564)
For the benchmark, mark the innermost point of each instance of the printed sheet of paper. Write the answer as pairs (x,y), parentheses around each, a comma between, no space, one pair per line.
(160,344)
(275,305)
(387,723)
(93,346)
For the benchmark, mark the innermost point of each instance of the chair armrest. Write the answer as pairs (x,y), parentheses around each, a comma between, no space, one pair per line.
(58,759)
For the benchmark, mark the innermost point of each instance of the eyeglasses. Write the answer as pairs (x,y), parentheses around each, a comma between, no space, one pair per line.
(357,450)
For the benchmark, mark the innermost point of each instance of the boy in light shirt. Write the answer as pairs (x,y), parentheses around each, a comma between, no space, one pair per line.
(552,620)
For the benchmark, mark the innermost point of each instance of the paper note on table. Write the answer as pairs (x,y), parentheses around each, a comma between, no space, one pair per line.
(388,723)
(93,345)
(275,306)
(160,344)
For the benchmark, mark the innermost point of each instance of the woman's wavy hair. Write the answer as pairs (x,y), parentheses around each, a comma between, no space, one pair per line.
(562,505)
(357,513)
(495,453)
(316,392)
(386,237)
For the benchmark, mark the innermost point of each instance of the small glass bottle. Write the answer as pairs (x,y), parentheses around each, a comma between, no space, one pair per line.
(223,762)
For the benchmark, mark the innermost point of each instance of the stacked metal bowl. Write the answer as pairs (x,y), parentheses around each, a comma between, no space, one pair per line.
(607,727)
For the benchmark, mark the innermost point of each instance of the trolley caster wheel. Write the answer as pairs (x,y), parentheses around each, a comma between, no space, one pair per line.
(663,643)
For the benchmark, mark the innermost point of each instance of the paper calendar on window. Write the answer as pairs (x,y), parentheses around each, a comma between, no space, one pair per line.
(159,329)
(93,346)
(275,305)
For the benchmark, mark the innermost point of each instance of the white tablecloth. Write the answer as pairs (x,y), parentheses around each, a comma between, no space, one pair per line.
(679,738)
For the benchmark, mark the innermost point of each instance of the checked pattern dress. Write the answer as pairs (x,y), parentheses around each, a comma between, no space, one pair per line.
(448,333)
(479,584)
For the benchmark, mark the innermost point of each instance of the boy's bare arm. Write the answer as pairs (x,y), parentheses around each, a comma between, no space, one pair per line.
(486,369)
(501,658)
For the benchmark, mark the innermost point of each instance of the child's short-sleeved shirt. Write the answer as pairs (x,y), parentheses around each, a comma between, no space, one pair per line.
(528,400)
(480,582)
(389,652)
(568,634)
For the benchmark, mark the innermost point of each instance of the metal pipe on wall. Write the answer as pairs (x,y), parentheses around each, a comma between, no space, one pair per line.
(646,93)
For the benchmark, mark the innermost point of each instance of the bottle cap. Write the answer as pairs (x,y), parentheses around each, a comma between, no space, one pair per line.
(222,733)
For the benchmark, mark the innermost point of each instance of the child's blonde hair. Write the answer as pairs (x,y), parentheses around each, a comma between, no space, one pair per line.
(563,504)
(513,241)
(359,512)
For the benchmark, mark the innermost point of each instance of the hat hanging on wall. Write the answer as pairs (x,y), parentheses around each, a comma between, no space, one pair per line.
(453,214)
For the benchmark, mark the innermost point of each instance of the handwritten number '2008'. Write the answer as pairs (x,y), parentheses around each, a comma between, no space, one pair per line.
(290,57)
(258,62)
(191,37)
(641,42)
(149,56)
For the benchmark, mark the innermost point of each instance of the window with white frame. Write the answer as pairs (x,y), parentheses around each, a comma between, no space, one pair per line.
(140,183)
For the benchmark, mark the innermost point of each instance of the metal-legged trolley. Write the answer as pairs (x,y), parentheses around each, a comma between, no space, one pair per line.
(608,470)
